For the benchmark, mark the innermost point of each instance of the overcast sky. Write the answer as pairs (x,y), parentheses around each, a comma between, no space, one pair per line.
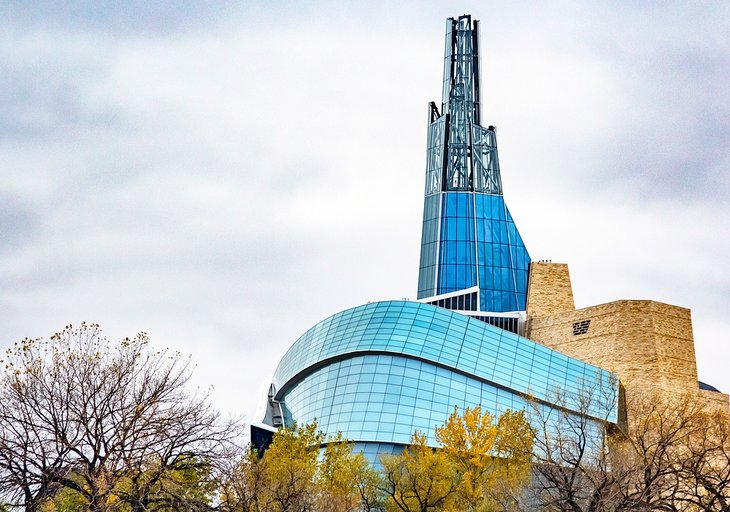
(223,175)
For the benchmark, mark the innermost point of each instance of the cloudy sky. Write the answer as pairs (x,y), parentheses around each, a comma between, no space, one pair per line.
(223,175)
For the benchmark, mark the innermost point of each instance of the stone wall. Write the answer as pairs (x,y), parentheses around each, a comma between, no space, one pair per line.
(549,290)
(713,401)
(648,344)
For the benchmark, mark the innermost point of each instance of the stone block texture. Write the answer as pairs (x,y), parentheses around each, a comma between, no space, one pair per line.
(549,290)
(648,344)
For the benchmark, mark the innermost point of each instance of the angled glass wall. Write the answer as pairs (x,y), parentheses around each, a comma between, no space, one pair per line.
(503,261)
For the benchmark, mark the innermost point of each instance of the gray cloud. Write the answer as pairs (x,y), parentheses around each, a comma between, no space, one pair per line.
(18,224)
(227,177)
(122,19)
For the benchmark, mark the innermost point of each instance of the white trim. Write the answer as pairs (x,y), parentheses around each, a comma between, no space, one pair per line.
(508,314)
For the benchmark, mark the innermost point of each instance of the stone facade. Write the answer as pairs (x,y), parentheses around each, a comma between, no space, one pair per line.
(648,344)
(549,290)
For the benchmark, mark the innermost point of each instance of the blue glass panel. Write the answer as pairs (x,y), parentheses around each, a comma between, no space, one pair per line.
(457,258)
(477,242)
(429,246)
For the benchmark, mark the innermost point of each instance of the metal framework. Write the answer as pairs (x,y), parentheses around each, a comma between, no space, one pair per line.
(462,155)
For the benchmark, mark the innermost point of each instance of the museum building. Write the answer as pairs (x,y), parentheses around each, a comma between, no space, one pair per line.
(490,328)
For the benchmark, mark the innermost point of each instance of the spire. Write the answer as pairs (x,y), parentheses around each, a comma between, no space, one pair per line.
(462,155)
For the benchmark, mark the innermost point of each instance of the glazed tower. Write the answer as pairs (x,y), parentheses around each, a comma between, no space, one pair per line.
(473,259)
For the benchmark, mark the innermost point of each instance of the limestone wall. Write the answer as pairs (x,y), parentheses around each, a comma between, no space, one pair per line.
(713,401)
(648,344)
(549,290)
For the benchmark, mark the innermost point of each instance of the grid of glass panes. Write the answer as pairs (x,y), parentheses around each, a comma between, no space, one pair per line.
(384,398)
(450,340)
(502,257)
(498,254)
(486,162)
(429,247)
(373,451)
(435,155)
(446,84)
(457,257)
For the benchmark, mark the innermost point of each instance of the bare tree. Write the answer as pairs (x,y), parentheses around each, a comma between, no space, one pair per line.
(239,481)
(579,456)
(672,455)
(705,464)
(104,419)
(33,429)
(685,456)
(655,443)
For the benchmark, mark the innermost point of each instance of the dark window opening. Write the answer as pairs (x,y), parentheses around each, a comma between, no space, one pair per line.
(507,323)
(466,302)
(581,327)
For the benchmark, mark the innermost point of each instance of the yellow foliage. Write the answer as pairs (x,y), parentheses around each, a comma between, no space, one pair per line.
(490,456)
(419,479)
(345,479)
(288,469)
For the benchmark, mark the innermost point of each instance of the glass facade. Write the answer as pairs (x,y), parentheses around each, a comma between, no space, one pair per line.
(503,261)
(469,238)
(457,260)
(429,246)
(378,371)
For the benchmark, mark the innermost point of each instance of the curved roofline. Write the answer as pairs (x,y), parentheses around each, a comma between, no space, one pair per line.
(280,393)
(444,338)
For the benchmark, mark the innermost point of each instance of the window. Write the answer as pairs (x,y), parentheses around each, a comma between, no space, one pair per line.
(581,327)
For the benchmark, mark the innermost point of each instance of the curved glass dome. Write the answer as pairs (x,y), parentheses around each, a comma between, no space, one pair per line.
(379,371)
